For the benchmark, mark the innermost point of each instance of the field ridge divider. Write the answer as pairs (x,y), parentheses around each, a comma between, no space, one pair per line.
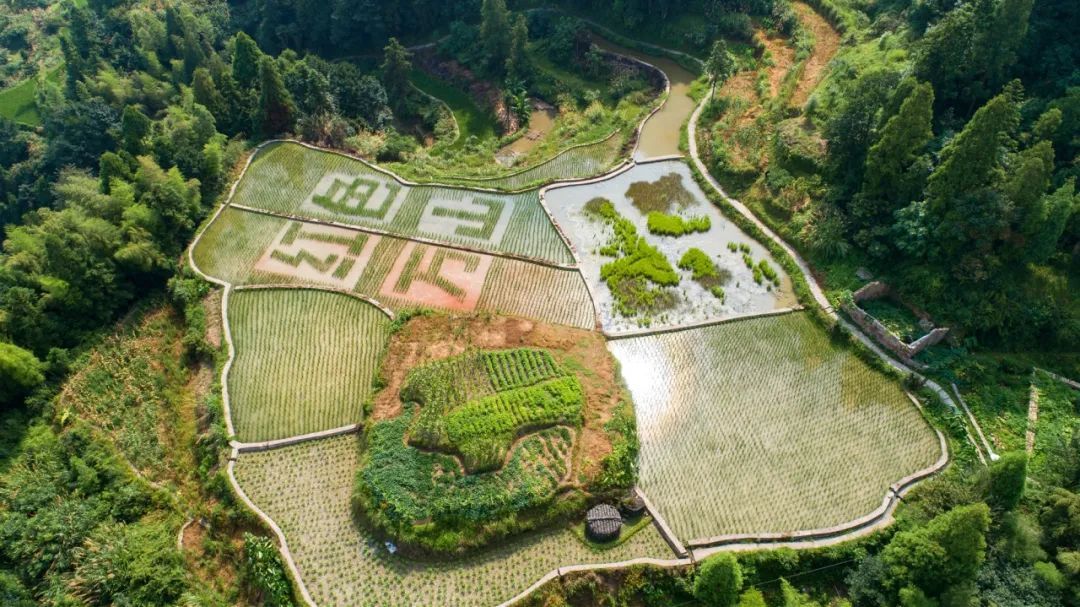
(418,239)
(283,545)
(254,447)
(661,525)
(632,333)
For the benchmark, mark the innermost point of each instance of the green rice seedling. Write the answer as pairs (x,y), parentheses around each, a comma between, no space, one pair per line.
(830,433)
(306,490)
(305,360)
(705,271)
(673,225)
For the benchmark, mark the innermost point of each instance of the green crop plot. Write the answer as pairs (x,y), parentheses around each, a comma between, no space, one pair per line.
(248,248)
(471,120)
(290,178)
(764,425)
(575,163)
(306,489)
(305,360)
(17,102)
(475,406)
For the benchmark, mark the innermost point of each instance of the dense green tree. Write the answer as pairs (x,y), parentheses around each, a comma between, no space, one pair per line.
(852,129)
(1007,479)
(719,580)
(206,91)
(395,72)
(360,95)
(720,65)
(973,158)
(518,67)
(134,129)
(20,372)
(752,598)
(496,37)
(899,146)
(310,89)
(967,56)
(941,557)
(895,172)
(277,112)
(246,57)
(112,166)
(791,597)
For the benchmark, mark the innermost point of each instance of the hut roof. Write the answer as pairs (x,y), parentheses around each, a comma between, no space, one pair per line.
(603,521)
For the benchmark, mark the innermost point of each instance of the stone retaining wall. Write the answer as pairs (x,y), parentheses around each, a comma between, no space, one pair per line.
(885,337)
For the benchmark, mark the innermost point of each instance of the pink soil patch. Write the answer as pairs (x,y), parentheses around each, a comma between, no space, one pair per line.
(454,271)
(321,250)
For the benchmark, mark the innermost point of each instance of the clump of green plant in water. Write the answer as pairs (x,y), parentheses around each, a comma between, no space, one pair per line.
(733,247)
(749,261)
(639,271)
(673,225)
(705,271)
(745,248)
(768,272)
(660,195)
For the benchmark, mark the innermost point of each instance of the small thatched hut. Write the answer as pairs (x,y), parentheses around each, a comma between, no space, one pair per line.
(603,523)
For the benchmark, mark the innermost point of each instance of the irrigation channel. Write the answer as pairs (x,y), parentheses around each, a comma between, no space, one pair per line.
(656,154)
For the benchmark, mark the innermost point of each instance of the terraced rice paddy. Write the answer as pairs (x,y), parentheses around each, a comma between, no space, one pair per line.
(306,489)
(693,301)
(575,163)
(763,425)
(305,360)
(247,248)
(295,180)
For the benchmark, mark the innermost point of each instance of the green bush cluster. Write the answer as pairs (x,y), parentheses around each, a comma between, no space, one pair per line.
(443,385)
(705,271)
(426,502)
(637,266)
(475,405)
(673,225)
(483,430)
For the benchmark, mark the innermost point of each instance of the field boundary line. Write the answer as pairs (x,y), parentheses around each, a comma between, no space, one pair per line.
(289,441)
(419,239)
(1065,380)
(873,520)
(974,422)
(1032,417)
(632,333)
(314,287)
(283,544)
(661,525)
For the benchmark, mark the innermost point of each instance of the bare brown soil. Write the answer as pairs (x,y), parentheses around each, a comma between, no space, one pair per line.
(584,353)
(826,43)
(212,306)
(783,57)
